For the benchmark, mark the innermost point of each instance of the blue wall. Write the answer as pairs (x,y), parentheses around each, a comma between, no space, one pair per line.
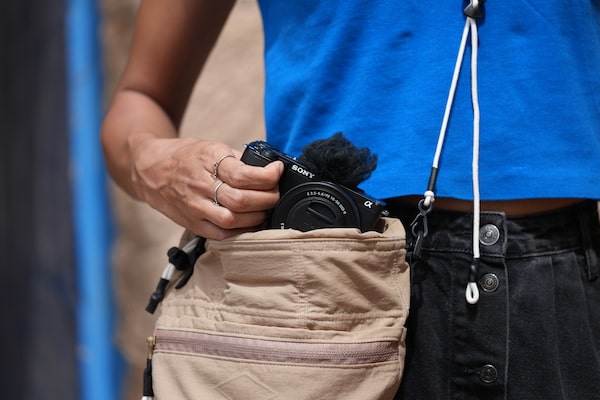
(91,216)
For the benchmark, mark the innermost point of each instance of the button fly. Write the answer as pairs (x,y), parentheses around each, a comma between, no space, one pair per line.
(489,235)
(488,374)
(489,282)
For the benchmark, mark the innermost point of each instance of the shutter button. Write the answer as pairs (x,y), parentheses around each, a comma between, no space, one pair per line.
(489,282)
(488,373)
(489,235)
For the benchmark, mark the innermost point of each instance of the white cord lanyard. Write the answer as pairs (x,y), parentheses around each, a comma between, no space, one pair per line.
(473,11)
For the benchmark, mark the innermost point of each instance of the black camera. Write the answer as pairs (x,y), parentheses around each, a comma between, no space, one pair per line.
(308,202)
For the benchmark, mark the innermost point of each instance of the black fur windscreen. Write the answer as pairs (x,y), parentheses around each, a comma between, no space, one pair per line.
(337,160)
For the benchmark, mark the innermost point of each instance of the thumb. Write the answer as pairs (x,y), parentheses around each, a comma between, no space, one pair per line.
(276,167)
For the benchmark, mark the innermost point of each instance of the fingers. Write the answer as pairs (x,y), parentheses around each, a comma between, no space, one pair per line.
(243,200)
(218,221)
(244,188)
(204,187)
(215,174)
(225,218)
(223,223)
(241,176)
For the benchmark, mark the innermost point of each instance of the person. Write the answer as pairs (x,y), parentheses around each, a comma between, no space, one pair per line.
(516,150)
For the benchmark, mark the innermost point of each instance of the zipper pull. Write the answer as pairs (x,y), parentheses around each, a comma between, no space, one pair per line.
(147,391)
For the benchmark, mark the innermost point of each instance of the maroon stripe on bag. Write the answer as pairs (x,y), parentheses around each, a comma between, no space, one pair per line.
(275,350)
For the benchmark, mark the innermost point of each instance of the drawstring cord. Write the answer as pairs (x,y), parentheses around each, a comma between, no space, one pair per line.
(472,292)
(419,225)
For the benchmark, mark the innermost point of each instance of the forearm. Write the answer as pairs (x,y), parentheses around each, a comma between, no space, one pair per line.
(143,152)
(133,122)
(170,45)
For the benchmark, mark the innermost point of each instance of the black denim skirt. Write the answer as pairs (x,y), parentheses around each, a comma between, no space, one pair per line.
(535,331)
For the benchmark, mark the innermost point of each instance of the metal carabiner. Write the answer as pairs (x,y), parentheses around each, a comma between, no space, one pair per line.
(419,227)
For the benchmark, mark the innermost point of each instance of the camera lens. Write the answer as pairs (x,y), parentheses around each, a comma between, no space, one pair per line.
(315,205)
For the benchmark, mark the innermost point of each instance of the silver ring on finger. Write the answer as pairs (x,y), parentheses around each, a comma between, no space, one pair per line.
(215,174)
(215,193)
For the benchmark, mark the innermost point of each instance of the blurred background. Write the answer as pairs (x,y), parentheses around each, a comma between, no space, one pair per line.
(79,259)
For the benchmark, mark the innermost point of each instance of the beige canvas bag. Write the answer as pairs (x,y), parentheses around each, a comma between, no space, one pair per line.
(283,314)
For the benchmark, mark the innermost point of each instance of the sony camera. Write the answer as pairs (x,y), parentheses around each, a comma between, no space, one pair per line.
(308,202)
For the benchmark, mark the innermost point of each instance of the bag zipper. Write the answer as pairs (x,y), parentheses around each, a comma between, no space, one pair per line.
(243,348)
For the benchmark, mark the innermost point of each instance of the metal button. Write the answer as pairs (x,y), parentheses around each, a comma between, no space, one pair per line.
(489,235)
(489,282)
(488,373)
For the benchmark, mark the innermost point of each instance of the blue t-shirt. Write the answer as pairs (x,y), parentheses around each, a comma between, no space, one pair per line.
(380,71)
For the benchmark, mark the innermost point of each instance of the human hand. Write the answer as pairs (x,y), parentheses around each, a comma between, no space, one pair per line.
(176,177)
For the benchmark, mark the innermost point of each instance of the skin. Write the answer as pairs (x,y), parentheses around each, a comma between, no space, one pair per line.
(145,156)
(143,152)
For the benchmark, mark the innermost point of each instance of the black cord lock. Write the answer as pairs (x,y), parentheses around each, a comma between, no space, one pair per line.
(182,260)
(475,11)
